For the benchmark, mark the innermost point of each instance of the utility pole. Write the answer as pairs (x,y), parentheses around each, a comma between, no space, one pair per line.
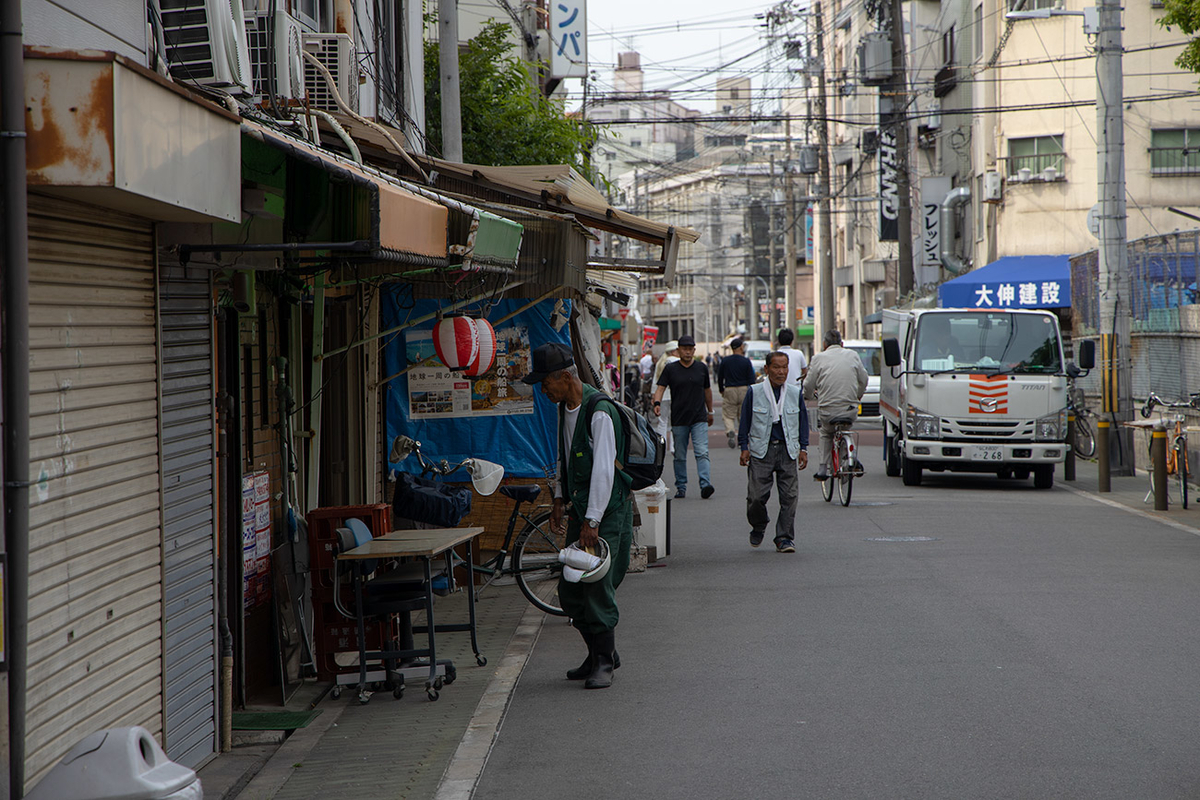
(452,149)
(828,312)
(789,222)
(905,276)
(1116,383)
(772,271)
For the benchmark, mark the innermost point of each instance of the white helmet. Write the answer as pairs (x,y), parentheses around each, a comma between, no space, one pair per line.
(580,566)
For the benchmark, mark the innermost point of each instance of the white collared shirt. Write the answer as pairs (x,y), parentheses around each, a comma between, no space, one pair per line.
(604,458)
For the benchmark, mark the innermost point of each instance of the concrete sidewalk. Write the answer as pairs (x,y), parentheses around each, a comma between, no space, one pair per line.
(414,748)
(1129,493)
(393,748)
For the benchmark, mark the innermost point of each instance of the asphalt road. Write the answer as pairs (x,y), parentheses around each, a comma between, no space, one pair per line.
(1026,644)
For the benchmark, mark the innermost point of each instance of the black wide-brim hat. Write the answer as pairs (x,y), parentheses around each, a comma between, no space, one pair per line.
(547,359)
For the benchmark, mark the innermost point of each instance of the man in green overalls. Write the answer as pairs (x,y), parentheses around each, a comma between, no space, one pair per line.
(591,501)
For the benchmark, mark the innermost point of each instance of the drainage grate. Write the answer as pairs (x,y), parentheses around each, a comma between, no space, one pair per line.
(903,539)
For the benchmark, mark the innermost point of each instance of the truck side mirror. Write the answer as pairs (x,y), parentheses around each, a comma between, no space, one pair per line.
(1087,354)
(891,352)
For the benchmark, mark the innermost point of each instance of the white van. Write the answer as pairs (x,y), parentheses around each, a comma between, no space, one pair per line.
(871,354)
(757,351)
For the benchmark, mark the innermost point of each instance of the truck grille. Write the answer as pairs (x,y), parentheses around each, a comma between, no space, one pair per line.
(868,409)
(976,430)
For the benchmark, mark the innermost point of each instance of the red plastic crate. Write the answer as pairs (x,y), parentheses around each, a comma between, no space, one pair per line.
(322,533)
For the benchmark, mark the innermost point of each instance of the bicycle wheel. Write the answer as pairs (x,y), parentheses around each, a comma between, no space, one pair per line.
(1181,469)
(846,480)
(536,565)
(1085,438)
(827,484)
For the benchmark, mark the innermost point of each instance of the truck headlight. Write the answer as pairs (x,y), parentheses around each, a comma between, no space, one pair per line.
(922,425)
(1051,428)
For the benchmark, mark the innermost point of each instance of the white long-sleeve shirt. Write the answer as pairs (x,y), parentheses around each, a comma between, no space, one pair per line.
(604,458)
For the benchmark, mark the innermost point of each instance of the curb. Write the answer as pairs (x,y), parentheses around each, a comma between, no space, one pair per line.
(466,766)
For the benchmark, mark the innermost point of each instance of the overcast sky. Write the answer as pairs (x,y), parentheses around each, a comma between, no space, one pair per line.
(678,40)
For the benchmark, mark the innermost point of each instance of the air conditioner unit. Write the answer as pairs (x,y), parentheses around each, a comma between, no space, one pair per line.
(336,52)
(275,60)
(993,187)
(206,43)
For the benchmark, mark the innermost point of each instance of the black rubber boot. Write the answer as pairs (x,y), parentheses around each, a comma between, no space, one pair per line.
(604,653)
(584,669)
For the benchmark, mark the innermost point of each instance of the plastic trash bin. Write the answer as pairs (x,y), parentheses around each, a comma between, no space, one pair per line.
(652,505)
(118,763)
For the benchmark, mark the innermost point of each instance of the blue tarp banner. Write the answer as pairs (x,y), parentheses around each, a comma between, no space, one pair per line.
(1012,282)
(493,416)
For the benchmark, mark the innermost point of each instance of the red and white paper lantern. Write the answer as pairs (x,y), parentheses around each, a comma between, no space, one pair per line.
(487,348)
(456,341)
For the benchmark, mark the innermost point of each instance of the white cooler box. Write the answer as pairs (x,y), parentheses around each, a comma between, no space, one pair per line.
(652,505)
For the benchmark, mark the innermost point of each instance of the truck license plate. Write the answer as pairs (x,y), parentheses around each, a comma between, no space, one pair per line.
(983,452)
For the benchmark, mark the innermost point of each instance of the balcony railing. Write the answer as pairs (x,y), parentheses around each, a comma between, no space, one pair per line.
(1175,160)
(1036,163)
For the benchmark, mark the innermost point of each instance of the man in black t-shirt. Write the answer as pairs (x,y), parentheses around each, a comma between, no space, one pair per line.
(691,413)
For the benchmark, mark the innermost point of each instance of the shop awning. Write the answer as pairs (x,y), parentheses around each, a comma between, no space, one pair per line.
(1012,282)
(548,187)
(386,224)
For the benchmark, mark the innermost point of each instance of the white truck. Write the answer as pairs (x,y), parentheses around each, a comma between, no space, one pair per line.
(970,390)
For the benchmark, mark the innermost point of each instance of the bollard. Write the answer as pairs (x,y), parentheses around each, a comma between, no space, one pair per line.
(1102,452)
(1158,467)
(1069,461)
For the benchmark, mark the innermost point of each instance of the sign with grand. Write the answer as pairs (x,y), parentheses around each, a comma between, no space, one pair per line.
(889,188)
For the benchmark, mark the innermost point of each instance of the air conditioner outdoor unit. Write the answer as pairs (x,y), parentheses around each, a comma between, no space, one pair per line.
(206,43)
(336,52)
(275,60)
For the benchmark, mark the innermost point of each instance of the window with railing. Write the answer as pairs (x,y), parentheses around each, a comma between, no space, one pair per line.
(1035,154)
(1030,5)
(1175,152)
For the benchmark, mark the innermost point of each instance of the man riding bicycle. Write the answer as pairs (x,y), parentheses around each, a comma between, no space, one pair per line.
(837,379)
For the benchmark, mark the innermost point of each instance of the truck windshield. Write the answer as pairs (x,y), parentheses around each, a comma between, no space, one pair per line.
(995,342)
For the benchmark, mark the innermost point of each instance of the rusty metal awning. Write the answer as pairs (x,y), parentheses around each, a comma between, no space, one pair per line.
(554,187)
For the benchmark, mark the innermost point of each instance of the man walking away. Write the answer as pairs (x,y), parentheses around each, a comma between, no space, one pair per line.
(797,363)
(735,375)
(691,413)
(837,378)
(773,435)
(591,500)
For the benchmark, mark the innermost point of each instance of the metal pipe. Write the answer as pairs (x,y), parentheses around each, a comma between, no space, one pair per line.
(15,233)
(224,540)
(956,197)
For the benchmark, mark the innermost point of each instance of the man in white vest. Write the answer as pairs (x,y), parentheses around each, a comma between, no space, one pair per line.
(773,435)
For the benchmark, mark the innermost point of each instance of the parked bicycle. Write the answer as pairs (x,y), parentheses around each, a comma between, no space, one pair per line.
(1085,432)
(1177,449)
(534,563)
(845,467)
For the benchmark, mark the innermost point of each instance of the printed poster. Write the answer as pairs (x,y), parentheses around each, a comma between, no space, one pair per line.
(437,392)
(256,538)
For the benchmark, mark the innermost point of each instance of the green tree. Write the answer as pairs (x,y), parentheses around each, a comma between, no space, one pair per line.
(504,122)
(1185,15)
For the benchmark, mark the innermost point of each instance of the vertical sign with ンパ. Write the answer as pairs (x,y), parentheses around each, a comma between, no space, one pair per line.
(568,38)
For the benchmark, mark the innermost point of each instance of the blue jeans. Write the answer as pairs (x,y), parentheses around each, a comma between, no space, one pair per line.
(699,435)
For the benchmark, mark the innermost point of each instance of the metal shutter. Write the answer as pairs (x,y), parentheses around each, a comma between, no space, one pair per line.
(95,583)
(188,462)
